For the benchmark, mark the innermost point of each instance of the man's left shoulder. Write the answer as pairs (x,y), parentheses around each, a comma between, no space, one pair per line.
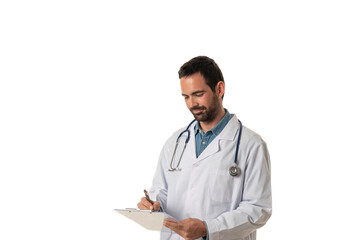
(251,137)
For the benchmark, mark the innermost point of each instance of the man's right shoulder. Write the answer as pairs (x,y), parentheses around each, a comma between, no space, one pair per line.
(175,135)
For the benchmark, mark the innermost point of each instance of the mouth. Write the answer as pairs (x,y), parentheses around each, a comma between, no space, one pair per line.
(197,111)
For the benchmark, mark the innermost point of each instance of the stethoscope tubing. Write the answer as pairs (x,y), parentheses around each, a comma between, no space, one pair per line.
(234,170)
(187,130)
(238,141)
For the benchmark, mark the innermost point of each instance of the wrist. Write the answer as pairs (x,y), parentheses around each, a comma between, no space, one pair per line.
(205,230)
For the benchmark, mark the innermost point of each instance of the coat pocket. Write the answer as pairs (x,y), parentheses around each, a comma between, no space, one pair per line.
(222,186)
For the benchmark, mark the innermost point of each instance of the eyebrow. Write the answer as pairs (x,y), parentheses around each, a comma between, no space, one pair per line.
(195,92)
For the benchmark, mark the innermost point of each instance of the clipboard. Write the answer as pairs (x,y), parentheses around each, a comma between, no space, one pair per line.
(146,218)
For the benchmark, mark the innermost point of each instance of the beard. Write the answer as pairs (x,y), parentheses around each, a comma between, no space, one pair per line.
(208,113)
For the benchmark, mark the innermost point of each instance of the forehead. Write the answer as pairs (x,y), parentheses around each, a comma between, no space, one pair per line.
(194,82)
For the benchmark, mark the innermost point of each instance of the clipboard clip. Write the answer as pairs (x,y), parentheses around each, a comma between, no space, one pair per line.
(138,210)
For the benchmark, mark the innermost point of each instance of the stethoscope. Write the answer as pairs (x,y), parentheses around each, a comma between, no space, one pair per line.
(233,170)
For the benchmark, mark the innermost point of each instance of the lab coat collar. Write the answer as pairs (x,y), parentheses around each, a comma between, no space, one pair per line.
(216,130)
(228,133)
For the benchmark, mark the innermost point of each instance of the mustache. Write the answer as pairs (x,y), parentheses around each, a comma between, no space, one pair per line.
(198,108)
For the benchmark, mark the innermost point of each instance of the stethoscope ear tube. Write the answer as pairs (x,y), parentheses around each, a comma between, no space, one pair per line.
(171,169)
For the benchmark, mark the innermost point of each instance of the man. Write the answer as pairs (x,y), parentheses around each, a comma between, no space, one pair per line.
(208,191)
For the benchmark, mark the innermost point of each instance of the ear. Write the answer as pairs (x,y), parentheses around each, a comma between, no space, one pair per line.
(220,89)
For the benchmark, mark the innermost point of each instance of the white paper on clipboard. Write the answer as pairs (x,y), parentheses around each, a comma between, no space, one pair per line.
(146,218)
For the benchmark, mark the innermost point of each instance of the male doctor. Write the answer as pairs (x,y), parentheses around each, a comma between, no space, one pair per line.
(197,190)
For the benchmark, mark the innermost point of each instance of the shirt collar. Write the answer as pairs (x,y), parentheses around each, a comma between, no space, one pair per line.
(218,128)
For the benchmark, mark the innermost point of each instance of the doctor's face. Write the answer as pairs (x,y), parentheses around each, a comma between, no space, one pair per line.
(203,103)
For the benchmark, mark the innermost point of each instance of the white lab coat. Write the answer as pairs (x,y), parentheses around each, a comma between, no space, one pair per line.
(233,207)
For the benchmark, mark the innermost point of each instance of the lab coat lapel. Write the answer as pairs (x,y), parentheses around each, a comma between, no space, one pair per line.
(228,133)
(192,144)
(211,149)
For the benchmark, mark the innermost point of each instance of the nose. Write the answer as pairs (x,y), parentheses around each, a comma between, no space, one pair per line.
(191,102)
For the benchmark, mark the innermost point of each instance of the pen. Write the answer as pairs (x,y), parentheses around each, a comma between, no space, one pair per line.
(148,197)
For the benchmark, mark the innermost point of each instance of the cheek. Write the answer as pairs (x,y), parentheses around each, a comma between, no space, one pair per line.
(205,101)
(187,104)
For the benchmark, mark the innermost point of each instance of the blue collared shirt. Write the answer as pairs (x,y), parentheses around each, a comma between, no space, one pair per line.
(204,139)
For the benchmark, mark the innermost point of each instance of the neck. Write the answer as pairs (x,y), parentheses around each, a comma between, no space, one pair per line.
(208,125)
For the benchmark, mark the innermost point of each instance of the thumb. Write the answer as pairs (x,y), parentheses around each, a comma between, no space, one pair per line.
(156,206)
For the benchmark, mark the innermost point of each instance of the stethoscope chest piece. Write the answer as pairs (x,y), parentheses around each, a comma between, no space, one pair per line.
(234,171)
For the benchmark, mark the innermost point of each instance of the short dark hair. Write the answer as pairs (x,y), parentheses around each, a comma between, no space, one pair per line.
(208,68)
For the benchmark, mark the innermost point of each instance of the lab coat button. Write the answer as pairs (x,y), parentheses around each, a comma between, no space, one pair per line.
(195,165)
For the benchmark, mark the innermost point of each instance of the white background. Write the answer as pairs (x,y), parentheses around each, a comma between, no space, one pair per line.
(89,93)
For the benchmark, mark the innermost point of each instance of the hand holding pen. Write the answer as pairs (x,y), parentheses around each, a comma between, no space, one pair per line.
(147,204)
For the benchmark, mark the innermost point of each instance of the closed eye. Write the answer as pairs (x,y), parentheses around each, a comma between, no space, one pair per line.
(198,93)
(195,94)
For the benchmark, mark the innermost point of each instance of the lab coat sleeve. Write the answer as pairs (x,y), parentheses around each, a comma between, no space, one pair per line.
(255,207)
(159,187)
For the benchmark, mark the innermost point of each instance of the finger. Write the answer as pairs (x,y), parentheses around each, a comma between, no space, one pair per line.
(173,225)
(156,206)
(170,220)
(187,220)
(144,204)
